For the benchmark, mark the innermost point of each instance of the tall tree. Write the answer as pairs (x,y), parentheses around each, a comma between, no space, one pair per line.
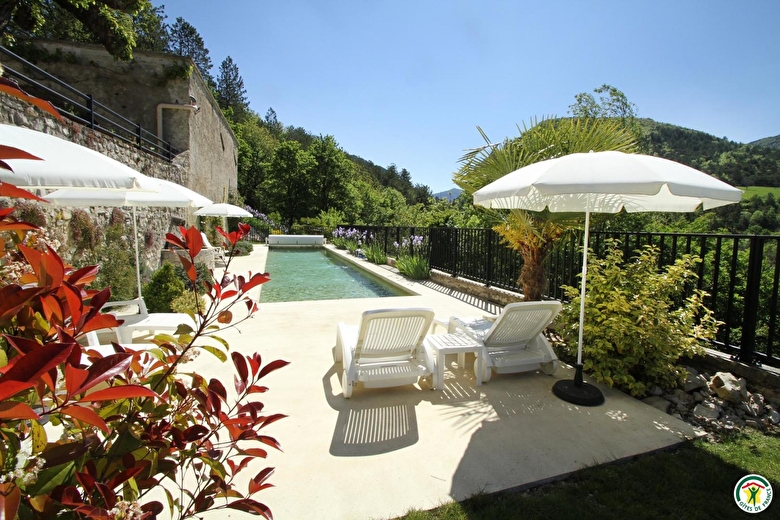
(151,31)
(332,173)
(533,234)
(272,123)
(231,94)
(256,146)
(109,22)
(612,104)
(186,41)
(288,187)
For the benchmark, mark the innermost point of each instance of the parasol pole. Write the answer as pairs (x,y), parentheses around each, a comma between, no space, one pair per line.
(576,391)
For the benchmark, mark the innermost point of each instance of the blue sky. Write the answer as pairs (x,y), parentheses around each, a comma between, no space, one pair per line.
(408,82)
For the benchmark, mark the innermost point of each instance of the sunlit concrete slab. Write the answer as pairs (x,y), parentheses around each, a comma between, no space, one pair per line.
(387,450)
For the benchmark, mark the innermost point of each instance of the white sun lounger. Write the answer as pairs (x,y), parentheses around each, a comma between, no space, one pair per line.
(513,342)
(385,349)
(146,321)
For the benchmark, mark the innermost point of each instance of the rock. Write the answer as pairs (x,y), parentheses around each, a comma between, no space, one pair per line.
(657,402)
(773,417)
(655,390)
(754,423)
(699,396)
(728,387)
(734,420)
(706,410)
(694,382)
(757,403)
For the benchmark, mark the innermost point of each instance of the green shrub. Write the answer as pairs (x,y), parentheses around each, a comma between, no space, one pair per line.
(374,253)
(83,231)
(204,275)
(638,321)
(414,266)
(117,265)
(243,248)
(163,289)
(186,302)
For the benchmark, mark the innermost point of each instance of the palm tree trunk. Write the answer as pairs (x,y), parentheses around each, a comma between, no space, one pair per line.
(532,278)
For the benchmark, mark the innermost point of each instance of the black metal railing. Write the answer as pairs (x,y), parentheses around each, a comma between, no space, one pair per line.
(83,108)
(740,273)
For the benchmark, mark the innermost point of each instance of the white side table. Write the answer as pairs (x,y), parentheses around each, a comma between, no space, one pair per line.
(454,343)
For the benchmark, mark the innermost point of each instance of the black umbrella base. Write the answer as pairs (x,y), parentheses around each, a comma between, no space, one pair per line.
(576,392)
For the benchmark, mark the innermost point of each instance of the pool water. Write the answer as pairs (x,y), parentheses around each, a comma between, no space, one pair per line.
(301,274)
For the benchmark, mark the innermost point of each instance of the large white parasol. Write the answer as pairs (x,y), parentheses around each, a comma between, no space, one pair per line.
(603,182)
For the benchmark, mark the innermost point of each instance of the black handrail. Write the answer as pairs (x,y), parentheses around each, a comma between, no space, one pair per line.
(741,273)
(82,108)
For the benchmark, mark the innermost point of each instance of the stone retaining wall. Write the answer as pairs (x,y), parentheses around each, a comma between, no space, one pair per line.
(153,223)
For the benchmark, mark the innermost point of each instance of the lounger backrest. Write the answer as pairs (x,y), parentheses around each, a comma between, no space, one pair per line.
(520,322)
(392,333)
(206,242)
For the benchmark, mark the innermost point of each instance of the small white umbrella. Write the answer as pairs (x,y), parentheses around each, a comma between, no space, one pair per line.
(63,164)
(166,195)
(222,210)
(603,182)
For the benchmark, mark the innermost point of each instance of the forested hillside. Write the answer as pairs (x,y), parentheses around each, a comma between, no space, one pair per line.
(769,142)
(291,176)
(736,163)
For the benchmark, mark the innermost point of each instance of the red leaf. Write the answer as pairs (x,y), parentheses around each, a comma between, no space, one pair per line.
(272,419)
(256,279)
(14,410)
(104,369)
(118,392)
(194,244)
(254,452)
(86,480)
(251,506)
(11,388)
(240,362)
(12,299)
(9,190)
(31,366)
(84,276)
(101,321)
(255,389)
(11,88)
(258,482)
(265,439)
(10,498)
(270,367)
(124,476)
(216,386)
(193,433)
(48,267)
(75,304)
(86,415)
(74,378)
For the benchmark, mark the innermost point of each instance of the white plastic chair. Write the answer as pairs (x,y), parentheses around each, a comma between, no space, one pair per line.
(385,349)
(218,251)
(514,341)
(145,321)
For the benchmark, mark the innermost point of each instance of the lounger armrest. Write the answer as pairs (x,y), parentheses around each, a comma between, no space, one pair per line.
(474,327)
(136,301)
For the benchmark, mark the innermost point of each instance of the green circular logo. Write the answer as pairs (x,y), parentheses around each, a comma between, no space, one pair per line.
(753,493)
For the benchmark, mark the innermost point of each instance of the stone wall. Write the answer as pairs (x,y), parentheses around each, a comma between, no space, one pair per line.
(153,223)
(153,89)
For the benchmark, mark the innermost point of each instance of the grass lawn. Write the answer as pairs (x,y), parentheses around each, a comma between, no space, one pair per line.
(752,191)
(695,481)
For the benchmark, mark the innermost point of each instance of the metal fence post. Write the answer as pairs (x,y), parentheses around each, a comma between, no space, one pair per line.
(751,300)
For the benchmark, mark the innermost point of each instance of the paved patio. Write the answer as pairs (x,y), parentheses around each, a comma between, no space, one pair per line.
(385,451)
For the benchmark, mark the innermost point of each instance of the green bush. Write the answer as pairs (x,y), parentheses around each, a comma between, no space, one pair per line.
(204,275)
(243,248)
(414,266)
(117,265)
(163,289)
(374,253)
(638,321)
(186,302)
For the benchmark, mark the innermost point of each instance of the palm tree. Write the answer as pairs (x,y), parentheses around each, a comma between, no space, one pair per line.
(533,234)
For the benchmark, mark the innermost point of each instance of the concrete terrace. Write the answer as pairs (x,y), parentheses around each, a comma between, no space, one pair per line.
(385,451)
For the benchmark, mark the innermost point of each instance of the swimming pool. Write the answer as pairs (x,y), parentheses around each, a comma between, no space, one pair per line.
(302,274)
